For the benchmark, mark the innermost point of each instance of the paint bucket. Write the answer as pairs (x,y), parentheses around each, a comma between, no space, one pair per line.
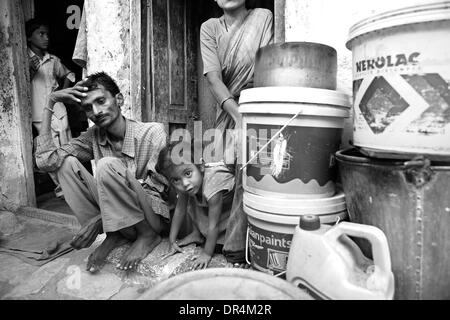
(298,163)
(410,202)
(401,75)
(296,64)
(272,222)
(225,284)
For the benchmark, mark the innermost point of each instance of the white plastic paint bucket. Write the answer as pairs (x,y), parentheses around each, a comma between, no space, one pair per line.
(272,222)
(298,163)
(401,75)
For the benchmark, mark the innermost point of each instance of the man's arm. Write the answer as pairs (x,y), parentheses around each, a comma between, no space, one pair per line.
(48,156)
(156,139)
(69,95)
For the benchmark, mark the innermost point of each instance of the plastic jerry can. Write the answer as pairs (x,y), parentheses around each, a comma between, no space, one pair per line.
(328,263)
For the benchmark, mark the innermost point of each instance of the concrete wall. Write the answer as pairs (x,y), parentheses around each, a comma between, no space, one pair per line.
(109,43)
(328,22)
(16,182)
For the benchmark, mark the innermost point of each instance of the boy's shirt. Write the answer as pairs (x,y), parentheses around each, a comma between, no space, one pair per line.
(217,177)
(45,74)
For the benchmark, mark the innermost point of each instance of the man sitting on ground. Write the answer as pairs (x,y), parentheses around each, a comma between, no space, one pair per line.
(126,198)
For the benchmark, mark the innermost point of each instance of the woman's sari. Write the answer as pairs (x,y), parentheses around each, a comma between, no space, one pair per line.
(232,50)
(236,50)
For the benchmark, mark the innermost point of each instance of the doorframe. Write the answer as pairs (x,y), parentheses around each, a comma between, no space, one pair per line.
(138,57)
(19,83)
(147,81)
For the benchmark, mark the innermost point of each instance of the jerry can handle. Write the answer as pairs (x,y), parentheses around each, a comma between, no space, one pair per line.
(376,237)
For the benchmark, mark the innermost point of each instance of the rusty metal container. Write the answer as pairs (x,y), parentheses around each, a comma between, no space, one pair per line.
(410,202)
(296,64)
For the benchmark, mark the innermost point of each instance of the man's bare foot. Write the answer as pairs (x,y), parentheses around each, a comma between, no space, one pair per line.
(97,258)
(193,237)
(87,235)
(140,248)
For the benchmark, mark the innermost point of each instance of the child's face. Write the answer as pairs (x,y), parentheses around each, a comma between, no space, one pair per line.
(40,38)
(186,178)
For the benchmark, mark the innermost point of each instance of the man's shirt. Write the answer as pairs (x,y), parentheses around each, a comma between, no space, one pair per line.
(140,149)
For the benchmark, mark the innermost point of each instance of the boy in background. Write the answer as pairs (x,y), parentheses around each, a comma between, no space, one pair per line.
(47,74)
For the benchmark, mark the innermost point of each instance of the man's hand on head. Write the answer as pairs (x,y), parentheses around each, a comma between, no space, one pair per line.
(70,95)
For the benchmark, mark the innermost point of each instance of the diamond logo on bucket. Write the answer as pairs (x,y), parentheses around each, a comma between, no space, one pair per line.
(381,104)
(423,107)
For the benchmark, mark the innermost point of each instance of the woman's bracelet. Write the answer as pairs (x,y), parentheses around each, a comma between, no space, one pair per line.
(224,100)
(48,109)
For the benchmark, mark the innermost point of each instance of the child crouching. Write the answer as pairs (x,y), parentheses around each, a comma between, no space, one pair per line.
(207,188)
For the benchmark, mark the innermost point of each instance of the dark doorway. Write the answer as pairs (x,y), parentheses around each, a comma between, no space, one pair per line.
(63,18)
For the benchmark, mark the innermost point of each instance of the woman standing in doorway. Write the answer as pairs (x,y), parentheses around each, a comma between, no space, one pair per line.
(228,47)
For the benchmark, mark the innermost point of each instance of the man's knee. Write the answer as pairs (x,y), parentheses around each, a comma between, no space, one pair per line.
(107,166)
(68,165)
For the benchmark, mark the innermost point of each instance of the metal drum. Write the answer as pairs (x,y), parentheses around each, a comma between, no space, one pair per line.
(296,64)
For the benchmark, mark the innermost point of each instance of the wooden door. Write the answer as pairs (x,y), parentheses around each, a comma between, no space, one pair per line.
(171,92)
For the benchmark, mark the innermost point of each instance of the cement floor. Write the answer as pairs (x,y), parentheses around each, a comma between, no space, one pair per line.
(65,278)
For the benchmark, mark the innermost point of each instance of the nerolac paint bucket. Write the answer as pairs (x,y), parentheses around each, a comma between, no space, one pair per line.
(401,76)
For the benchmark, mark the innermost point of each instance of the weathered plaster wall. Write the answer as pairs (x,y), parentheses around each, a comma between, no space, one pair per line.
(16,183)
(108,43)
(328,22)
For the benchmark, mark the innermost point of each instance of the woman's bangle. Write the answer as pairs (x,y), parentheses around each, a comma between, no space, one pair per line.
(48,109)
(224,100)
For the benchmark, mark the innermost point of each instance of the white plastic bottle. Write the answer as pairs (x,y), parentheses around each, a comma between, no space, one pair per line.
(327,262)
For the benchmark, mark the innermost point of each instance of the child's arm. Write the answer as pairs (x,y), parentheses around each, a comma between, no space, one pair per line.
(214,212)
(62,73)
(177,220)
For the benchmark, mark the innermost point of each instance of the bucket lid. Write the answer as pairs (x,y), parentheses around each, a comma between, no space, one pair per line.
(294,95)
(409,15)
(355,157)
(296,207)
(292,220)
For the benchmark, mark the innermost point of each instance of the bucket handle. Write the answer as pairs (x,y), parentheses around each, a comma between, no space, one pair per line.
(376,237)
(246,248)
